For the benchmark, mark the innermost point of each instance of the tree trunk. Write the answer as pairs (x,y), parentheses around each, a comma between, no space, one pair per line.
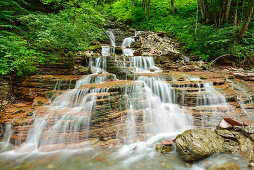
(227,10)
(132,2)
(173,6)
(246,23)
(236,11)
(201,9)
(196,19)
(205,8)
(149,8)
(144,6)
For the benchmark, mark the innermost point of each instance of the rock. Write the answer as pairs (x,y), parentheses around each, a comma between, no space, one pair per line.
(163,148)
(251,165)
(166,143)
(20,105)
(203,77)
(29,114)
(100,72)
(152,51)
(232,122)
(152,70)
(94,47)
(137,53)
(231,77)
(227,133)
(196,144)
(224,125)
(81,70)
(19,111)
(226,166)
(118,50)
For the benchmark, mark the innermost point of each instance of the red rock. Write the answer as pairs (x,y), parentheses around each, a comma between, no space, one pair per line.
(152,51)
(232,122)
(246,123)
(137,53)
(166,143)
(173,140)
(19,105)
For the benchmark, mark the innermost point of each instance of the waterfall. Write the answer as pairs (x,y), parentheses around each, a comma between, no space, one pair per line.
(127,51)
(7,135)
(138,113)
(111,37)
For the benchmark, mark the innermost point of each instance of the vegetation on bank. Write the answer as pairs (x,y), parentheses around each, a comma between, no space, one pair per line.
(209,29)
(33,32)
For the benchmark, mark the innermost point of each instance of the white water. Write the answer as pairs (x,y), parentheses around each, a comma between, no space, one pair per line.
(153,113)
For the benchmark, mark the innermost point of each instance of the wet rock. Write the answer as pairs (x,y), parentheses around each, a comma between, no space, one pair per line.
(94,47)
(196,144)
(118,50)
(29,114)
(152,70)
(81,70)
(137,53)
(226,166)
(251,165)
(163,148)
(231,77)
(17,112)
(203,77)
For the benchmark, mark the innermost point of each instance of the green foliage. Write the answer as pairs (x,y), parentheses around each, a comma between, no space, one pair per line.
(209,42)
(30,38)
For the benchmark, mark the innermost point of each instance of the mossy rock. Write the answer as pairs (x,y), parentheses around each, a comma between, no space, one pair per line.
(231,77)
(94,47)
(203,77)
(163,149)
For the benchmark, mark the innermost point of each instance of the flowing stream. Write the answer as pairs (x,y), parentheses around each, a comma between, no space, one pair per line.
(61,132)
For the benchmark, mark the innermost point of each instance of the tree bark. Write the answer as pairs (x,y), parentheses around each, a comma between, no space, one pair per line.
(173,6)
(132,2)
(149,8)
(246,23)
(196,28)
(235,14)
(144,6)
(227,10)
(206,14)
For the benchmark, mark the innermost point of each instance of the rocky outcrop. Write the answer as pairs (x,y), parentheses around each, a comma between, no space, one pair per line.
(196,144)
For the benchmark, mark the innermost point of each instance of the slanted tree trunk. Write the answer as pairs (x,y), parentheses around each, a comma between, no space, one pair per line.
(149,8)
(173,6)
(201,9)
(241,33)
(227,10)
(235,14)
(205,10)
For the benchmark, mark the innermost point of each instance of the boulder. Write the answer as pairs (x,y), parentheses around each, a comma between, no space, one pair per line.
(196,144)
(226,166)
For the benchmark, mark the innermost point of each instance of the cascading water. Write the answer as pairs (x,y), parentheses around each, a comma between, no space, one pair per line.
(149,112)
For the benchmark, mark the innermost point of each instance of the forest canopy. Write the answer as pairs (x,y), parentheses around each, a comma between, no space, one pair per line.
(36,32)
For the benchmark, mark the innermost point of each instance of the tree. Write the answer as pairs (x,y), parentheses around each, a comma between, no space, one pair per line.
(173,6)
(246,23)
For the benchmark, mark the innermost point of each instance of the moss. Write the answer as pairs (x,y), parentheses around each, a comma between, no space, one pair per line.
(203,77)
(94,47)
